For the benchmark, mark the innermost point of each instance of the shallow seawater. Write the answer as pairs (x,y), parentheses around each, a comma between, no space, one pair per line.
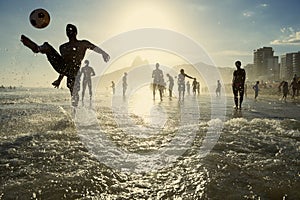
(131,149)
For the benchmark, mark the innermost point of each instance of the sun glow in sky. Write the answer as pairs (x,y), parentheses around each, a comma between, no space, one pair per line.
(145,14)
(228,30)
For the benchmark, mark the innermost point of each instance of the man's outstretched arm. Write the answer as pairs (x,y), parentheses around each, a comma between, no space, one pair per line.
(188,76)
(93,47)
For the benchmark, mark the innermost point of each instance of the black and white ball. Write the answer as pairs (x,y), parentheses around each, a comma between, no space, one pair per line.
(39,18)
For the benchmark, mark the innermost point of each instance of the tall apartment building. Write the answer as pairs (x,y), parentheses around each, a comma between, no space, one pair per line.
(266,64)
(296,63)
(250,73)
(283,67)
(273,68)
(290,65)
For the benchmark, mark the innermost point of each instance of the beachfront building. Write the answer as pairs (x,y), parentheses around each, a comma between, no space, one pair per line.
(251,76)
(273,68)
(296,63)
(266,65)
(290,65)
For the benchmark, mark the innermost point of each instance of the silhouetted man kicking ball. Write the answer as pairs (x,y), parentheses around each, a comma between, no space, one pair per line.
(68,62)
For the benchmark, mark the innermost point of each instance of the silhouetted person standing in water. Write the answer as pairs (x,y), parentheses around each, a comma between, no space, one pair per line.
(68,62)
(124,83)
(238,82)
(158,80)
(294,86)
(218,90)
(171,84)
(87,72)
(198,87)
(188,87)
(245,89)
(181,84)
(256,89)
(194,84)
(113,87)
(285,90)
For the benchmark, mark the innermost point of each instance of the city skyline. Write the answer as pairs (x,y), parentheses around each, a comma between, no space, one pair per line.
(228,30)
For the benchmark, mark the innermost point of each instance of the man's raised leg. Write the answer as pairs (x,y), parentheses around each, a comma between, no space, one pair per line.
(30,44)
(53,56)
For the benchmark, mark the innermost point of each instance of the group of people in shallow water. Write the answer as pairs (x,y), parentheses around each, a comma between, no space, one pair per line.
(238,86)
(284,87)
(68,61)
(160,85)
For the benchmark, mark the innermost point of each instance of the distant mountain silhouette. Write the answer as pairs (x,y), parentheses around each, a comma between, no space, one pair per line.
(104,80)
(138,61)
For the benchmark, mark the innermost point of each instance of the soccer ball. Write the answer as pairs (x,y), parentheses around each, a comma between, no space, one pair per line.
(39,18)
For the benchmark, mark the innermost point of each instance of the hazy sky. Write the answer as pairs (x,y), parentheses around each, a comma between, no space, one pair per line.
(227,29)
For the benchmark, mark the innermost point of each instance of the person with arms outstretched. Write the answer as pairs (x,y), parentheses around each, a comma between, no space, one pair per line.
(68,62)
(87,72)
(158,79)
(181,84)
(238,82)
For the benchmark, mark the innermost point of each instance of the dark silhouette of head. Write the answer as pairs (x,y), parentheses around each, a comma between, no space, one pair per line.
(182,71)
(71,31)
(157,65)
(238,64)
(86,62)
